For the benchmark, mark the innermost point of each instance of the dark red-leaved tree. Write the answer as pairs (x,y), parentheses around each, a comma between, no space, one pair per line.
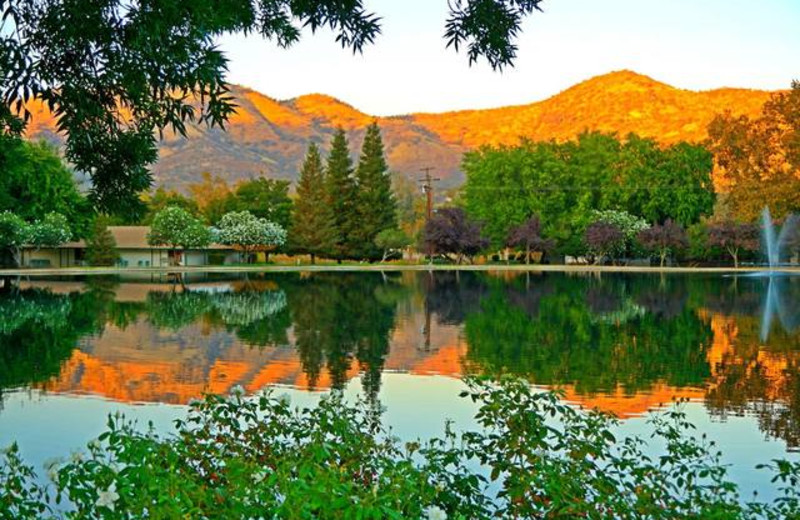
(604,240)
(452,234)
(664,239)
(734,238)
(528,237)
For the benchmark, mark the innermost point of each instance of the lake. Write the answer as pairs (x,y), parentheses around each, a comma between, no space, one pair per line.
(73,350)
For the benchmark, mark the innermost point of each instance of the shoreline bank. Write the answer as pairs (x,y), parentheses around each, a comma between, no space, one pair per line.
(70,271)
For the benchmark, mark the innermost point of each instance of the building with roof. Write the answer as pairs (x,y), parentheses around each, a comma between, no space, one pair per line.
(134,251)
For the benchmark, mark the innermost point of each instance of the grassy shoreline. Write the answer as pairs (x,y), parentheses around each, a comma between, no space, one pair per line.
(386,267)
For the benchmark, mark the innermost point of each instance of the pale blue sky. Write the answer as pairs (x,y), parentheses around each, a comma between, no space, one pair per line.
(696,44)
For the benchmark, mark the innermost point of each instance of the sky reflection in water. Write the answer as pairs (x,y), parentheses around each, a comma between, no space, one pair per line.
(74,350)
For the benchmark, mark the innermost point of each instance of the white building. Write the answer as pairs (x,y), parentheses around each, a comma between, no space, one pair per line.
(134,251)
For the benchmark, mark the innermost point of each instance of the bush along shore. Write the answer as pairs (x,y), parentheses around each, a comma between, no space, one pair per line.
(531,456)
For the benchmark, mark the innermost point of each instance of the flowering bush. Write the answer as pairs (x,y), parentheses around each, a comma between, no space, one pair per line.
(249,233)
(533,457)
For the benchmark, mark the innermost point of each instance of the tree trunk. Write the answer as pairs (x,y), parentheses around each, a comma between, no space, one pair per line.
(527,254)
(663,258)
(313,259)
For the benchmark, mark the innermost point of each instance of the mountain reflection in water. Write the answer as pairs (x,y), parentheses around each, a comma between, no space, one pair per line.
(622,343)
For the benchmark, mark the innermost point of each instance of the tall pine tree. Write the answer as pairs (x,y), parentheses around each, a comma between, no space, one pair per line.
(342,194)
(376,203)
(313,231)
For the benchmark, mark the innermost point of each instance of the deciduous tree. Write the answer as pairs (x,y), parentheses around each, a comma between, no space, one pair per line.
(14,233)
(177,229)
(35,181)
(760,158)
(51,231)
(664,239)
(565,182)
(604,240)
(452,234)
(390,241)
(249,233)
(163,198)
(528,237)
(265,198)
(734,238)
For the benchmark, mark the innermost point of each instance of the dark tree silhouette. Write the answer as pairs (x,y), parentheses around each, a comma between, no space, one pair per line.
(528,236)
(734,238)
(452,234)
(602,239)
(664,239)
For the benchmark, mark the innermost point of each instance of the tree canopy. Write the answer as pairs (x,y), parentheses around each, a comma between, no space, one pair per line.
(118,73)
(35,181)
(176,228)
(760,157)
(452,234)
(249,233)
(565,182)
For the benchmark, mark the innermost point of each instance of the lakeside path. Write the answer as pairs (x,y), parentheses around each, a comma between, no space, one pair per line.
(67,271)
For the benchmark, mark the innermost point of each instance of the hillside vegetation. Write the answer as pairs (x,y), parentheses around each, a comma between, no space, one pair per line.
(269,137)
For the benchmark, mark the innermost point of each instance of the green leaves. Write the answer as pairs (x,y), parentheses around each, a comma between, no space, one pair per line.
(564,182)
(175,227)
(488,28)
(532,456)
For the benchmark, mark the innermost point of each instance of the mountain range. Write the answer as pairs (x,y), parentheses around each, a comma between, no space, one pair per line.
(269,137)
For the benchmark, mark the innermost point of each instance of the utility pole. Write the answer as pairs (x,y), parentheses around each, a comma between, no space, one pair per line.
(427,189)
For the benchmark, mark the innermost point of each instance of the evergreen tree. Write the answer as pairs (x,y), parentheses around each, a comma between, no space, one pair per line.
(101,248)
(376,203)
(313,231)
(342,194)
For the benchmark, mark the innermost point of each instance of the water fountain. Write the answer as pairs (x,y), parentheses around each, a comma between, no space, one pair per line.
(775,242)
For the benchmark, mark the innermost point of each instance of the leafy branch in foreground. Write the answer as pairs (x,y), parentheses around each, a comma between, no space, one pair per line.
(118,73)
(532,457)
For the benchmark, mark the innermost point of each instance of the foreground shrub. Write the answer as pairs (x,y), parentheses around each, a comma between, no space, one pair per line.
(533,457)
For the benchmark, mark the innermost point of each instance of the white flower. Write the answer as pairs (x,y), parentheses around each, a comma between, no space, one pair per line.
(285,399)
(237,390)
(259,476)
(94,445)
(76,456)
(108,497)
(435,513)
(53,474)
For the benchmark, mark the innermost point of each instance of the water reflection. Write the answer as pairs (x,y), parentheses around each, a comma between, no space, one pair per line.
(622,343)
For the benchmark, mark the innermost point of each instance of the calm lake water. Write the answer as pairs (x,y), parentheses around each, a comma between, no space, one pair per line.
(73,350)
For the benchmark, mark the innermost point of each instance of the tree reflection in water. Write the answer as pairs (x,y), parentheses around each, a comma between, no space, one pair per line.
(596,335)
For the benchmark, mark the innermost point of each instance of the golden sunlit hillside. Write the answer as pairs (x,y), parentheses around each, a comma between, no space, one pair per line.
(269,137)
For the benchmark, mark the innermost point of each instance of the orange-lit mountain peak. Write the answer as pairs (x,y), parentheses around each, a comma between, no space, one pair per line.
(331,109)
(268,136)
